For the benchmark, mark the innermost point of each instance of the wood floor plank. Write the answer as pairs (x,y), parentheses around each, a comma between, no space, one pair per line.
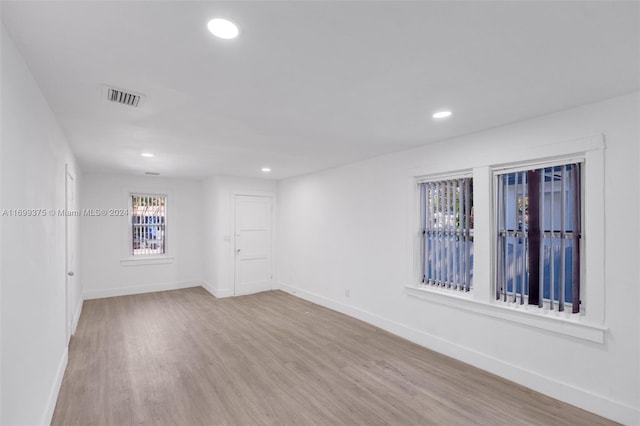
(184,357)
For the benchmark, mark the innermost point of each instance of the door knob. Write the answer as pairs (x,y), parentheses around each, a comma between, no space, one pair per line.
(237,250)
(70,274)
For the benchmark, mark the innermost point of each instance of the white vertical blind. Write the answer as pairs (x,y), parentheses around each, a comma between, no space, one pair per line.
(447,232)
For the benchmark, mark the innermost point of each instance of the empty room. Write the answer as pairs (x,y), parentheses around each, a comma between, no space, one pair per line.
(319,213)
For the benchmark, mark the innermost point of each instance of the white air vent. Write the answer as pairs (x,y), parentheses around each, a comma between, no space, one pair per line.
(152,173)
(125,97)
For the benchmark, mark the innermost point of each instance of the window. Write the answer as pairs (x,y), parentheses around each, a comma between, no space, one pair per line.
(148,226)
(529,215)
(447,233)
(538,237)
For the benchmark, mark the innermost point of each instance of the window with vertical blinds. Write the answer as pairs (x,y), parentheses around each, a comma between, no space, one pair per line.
(539,215)
(446,211)
(148,224)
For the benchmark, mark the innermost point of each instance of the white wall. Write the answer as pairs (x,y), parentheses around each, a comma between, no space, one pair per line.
(342,229)
(218,193)
(347,229)
(1,206)
(104,238)
(33,154)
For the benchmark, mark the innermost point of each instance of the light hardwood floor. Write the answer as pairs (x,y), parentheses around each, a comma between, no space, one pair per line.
(185,358)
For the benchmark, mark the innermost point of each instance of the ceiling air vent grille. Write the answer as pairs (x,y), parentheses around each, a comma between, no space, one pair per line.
(124,97)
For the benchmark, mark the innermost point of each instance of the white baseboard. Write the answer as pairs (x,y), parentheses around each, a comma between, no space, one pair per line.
(76,316)
(55,389)
(565,392)
(217,293)
(148,288)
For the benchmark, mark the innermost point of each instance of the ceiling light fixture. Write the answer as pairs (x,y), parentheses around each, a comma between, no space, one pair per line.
(222,28)
(147,154)
(266,169)
(442,114)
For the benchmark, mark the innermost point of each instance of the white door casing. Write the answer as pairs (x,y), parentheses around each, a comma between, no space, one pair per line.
(70,229)
(253,244)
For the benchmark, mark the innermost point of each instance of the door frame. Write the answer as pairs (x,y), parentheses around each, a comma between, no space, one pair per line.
(232,226)
(68,318)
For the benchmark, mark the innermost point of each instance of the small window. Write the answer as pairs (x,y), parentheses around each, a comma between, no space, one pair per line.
(538,220)
(148,225)
(447,233)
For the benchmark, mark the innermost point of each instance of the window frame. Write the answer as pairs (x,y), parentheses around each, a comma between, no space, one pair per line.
(128,258)
(131,225)
(437,178)
(522,167)
(589,324)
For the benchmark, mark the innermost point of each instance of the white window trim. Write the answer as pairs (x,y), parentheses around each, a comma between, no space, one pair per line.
(128,259)
(519,314)
(589,324)
(143,260)
(444,176)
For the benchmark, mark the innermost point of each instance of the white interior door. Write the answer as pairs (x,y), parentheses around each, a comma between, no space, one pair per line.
(70,225)
(253,266)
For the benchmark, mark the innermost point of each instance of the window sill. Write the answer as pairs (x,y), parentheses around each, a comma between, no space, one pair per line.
(146,260)
(520,314)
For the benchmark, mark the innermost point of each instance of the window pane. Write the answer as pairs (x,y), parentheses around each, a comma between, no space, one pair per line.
(447,222)
(148,224)
(554,194)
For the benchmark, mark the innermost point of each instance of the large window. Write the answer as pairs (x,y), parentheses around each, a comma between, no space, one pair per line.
(526,236)
(447,233)
(148,224)
(538,219)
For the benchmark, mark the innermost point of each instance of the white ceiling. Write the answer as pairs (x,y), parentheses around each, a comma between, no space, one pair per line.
(311,85)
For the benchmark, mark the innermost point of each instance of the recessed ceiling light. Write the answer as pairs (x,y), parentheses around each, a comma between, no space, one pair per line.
(442,114)
(147,154)
(222,28)
(266,169)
